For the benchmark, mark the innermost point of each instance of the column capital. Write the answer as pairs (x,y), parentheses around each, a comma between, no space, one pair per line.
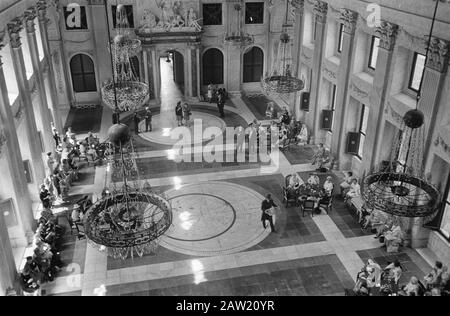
(298,5)
(14,28)
(29,15)
(387,33)
(320,11)
(348,19)
(41,8)
(438,55)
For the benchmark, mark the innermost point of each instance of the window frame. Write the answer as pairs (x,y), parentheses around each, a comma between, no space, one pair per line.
(114,18)
(371,52)
(206,82)
(340,43)
(81,29)
(253,64)
(333,99)
(412,71)
(221,13)
(83,74)
(362,134)
(263,12)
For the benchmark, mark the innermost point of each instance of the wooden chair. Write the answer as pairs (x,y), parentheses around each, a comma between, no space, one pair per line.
(308,206)
(76,226)
(326,204)
(289,197)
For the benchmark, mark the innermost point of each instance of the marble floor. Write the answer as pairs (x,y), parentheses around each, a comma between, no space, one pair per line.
(217,244)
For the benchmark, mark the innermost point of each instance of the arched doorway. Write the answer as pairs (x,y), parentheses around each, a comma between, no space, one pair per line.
(83,74)
(212,66)
(171,65)
(253,65)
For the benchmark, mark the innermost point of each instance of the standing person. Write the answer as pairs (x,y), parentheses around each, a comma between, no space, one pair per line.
(186,113)
(240,139)
(50,162)
(267,208)
(179,113)
(148,119)
(56,183)
(220,103)
(136,120)
(210,92)
(56,136)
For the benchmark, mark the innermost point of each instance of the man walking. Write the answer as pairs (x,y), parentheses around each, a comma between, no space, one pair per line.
(220,103)
(148,119)
(267,208)
(136,120)
(179,113)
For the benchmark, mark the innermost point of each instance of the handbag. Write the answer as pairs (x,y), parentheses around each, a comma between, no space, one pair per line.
(269,211)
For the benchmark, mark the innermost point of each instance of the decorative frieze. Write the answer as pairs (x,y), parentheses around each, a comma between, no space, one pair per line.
(329,73)
(348,19)
(41,7)
(2,141)
(441,142)
(438,55)
(320,11)
(298,6)
(14,28)
(387,32)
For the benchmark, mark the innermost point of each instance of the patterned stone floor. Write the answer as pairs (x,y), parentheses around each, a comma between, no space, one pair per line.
(217,245)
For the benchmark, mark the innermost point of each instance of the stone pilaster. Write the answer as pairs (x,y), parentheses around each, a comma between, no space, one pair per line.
(30,16)
(299,6)
(199,73)
(14,159)
(34,143)
(41,8)
(348,18)
(8,272)
(387,33)
(156,74)
(320,17)
(433,85)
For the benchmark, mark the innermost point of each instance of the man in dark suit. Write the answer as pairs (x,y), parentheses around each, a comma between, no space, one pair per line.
(148,119)
(136,120)
(267,212)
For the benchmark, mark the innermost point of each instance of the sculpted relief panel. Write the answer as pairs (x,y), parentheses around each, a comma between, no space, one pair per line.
(169,16)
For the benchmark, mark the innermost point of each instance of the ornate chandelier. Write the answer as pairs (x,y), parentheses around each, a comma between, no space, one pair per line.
(129,219)
(281,80)
(400,188)
(240,39)
(124,92)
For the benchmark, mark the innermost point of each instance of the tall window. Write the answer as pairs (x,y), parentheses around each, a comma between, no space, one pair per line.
(253,65)
(130,17)
(364,118)
(83,73)
(415,78)
(212,67)
(445,220)
(254,12)
(373,52)
(212,14)
(341,38)
(333,96)
(75,17)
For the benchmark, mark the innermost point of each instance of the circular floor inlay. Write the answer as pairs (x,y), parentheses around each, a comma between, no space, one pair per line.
(165,123)
(214,218)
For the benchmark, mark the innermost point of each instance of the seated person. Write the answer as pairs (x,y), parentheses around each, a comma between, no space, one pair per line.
(393,237)
(319,155)
(282,139)
(294,181)
(434,278)
(45,197)
(76,215)
(394,271)
(355,190)
(327,163)
(92,140)
(313,179)
(302,136)
(345,185)
(270,110)
(412,288)
(328,185)
(28,282)
(32,269)
(376,274)
(285,118)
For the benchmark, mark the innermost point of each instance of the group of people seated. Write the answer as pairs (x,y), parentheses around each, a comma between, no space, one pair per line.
(311,190)
(373,280)
(323,159)
(350,187)
(43,265)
